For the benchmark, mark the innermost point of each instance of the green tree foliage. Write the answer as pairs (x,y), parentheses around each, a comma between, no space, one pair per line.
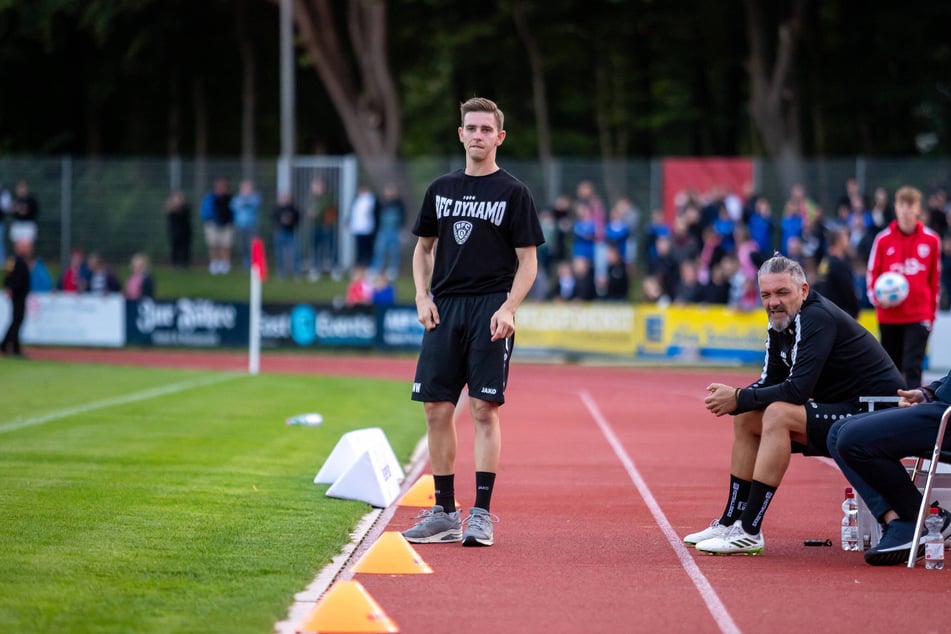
(623,78)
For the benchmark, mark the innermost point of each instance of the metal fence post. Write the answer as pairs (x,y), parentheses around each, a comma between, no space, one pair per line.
(174,173)
(65,209)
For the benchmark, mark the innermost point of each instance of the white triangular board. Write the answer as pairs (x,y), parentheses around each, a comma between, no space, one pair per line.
(371,479)
(349,448)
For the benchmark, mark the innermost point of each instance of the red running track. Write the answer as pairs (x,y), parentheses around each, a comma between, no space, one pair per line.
(603,470)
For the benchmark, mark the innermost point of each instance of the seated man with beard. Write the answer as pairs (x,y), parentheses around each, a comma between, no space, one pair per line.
(819,361)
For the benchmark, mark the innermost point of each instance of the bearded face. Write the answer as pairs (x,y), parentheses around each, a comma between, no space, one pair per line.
(782,298)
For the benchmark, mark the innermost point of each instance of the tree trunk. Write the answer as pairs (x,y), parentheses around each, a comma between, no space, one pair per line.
(539,94)
(363,94)
(774,99)
(248,86)
(612,123)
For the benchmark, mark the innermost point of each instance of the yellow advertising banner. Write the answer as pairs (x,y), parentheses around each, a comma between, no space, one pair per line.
(708,332)
(713,333)
(648,331)
(586,328)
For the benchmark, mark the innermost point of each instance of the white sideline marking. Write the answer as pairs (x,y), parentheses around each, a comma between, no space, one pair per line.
(714,605)
(368,530)
(119,400)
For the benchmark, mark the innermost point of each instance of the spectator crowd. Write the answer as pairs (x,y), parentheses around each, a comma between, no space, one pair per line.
(706,250)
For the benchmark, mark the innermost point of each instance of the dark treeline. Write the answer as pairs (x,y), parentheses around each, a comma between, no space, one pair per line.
(612,78)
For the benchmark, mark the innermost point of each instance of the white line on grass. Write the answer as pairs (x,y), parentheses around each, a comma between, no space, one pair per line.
(119,400)
(716,607)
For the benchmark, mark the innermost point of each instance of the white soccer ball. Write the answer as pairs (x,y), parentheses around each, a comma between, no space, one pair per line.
(891,289)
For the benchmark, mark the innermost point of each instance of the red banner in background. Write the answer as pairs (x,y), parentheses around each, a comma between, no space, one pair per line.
(681,175)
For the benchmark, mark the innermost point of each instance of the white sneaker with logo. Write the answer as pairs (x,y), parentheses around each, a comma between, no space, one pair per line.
(736,541)
(716,529)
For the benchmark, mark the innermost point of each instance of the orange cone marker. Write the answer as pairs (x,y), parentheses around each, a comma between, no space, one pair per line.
(347,607)
(391,554)
(422,493)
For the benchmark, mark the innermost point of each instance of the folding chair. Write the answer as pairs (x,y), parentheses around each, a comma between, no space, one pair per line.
(936,456)
(872,401)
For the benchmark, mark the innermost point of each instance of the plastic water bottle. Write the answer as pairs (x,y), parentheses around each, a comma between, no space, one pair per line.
(312,419)
(850,521)
(934,542)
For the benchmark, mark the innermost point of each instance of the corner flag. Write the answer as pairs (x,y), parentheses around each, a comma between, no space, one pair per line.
(258,260)
(258,275)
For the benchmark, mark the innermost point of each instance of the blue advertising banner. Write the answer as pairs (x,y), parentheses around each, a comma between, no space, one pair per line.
(400,328)
(189,323)
(334,327)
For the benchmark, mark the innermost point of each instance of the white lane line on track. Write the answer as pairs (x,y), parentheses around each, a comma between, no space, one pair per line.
(709,595)
(119,400)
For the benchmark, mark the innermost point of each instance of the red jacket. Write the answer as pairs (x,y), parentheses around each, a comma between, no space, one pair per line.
(917,256)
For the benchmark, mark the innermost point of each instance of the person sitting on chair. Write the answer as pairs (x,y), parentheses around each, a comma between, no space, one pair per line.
(819,361)
(869,449)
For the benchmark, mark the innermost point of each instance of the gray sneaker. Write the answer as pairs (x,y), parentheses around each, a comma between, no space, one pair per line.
(435,526)
(478,528)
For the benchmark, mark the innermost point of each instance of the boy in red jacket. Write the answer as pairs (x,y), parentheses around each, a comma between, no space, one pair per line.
(906,246)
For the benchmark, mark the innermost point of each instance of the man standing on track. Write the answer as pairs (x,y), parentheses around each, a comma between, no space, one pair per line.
(906,246)
(819,361)
(467,292)
(17,285)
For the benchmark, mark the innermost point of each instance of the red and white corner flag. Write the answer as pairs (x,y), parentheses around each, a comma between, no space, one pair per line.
(258,275)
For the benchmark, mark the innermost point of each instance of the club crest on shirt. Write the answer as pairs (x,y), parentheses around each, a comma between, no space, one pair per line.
(461,231)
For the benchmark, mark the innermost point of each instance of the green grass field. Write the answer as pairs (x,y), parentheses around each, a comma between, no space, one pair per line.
(145,500)
(196,282)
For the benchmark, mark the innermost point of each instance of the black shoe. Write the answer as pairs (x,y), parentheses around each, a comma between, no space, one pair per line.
(895,545)
(946,516)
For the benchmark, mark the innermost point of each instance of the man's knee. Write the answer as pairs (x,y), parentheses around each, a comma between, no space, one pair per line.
(781,416)
(748,423)
(846,440)
(483,412)
(439,414)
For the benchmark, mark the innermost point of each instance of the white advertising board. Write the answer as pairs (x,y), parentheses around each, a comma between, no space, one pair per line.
(70,319)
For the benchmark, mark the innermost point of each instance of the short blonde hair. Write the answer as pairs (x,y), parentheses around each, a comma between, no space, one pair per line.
(909,195)
(481,104)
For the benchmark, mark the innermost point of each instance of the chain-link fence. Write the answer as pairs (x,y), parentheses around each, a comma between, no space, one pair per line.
(116,206)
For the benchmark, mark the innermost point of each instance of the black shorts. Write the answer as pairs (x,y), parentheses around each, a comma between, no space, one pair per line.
(819,419)
(459,352)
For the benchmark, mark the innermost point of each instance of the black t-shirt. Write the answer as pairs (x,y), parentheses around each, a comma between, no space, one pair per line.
(479,222)
(223,214)
(25,208)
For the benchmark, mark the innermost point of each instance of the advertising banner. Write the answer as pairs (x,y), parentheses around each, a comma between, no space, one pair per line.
(324,326)
(399,327)
(582,328)
(711,333)
(700,175)
(69,319)
(186,323)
